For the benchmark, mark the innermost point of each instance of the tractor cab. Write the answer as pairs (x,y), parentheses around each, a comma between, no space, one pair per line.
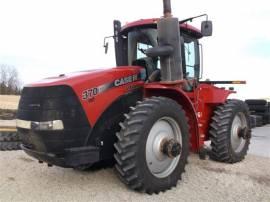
(134,39)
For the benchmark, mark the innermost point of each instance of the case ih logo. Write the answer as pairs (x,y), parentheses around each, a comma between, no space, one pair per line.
(125,80)
(92,92)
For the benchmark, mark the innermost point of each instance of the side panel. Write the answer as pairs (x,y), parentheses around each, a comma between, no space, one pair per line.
(175,93)
(109,92)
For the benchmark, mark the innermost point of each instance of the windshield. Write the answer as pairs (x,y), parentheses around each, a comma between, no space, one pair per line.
(139,40)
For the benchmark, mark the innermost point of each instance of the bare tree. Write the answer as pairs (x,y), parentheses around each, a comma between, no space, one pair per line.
(9,80)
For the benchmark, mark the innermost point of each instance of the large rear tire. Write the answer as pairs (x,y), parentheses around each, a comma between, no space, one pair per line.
(140,159)
(256,102)
(258,108)
(230,132)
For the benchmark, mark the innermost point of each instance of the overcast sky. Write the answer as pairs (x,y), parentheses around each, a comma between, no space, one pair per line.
(45,38)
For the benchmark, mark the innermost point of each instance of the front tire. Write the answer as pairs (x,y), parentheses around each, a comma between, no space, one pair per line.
(230,132)
(140,163)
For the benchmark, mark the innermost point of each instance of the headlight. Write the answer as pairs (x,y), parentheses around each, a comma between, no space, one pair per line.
(47,125)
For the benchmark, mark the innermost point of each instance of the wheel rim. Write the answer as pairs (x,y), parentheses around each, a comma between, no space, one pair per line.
(239,122)
(159,164)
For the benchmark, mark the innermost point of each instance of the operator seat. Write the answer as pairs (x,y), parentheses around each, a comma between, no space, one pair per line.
(152,72)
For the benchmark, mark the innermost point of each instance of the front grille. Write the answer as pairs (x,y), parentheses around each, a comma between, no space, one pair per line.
(52,103)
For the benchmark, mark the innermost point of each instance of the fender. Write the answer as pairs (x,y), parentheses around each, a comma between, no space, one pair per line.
(175,93)
(208,98)
(103,133)
(213,95)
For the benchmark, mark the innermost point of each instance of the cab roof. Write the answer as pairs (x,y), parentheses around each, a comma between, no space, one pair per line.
(189,29)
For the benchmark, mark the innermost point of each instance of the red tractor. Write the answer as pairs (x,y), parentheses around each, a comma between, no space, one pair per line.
(145,115)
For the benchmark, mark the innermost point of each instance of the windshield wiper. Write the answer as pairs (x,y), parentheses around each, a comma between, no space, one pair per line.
(190,19)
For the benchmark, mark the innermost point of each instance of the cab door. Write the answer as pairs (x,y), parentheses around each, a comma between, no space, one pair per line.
(191,58)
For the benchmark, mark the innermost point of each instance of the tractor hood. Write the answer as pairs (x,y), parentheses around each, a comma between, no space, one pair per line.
(95,89)
(88,77)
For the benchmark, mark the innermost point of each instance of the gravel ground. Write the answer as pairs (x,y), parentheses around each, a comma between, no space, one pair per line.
(23,179)
(260,142)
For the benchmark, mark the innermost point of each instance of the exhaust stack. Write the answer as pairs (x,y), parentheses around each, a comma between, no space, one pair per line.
(169,46)
(167,8)
(169,34)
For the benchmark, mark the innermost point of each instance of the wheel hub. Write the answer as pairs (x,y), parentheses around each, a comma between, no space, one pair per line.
(171,148)
(239,132)
(163,147)
(244,133)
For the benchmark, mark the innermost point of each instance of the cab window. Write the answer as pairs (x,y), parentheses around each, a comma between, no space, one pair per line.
(191,59)
(141,48)
(139,40)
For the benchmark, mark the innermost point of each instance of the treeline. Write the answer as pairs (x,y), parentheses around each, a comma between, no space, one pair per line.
(10,83)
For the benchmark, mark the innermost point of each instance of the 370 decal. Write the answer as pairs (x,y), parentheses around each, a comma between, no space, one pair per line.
(89,93)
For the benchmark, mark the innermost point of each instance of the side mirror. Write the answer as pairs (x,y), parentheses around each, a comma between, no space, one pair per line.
(106,46)
(207,28)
